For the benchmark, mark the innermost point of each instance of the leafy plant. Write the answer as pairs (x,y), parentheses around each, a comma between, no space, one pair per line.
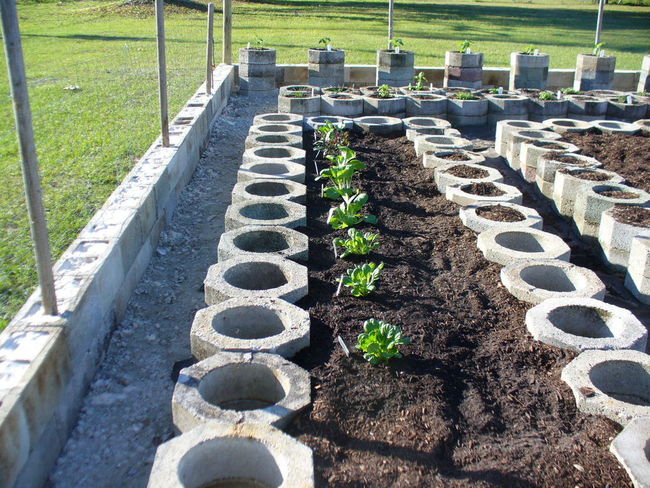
(466,96)
(420,80)
(571,91)
(396,43)
(380,341)
(348,213)
(337,89)
(325,41)
(298,94)
(359,243)
(493,91)
(340,175)
(546,95)
(598,48)
(530,50)
(464,46)
(362,278)
(259,43)
(330,137)
(384,91)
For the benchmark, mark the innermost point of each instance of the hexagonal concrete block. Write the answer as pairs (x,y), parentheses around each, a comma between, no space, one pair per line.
(313,123)
(473,216)
(273,154)
(278,118)
(434,159)
(424,143)
(376,124)
(240,387)
(270,190)
(271,140)
(569,181)
(568,125)
(530,152)
(281,170)
(505,127)
(506,246)
(615,127)
(615,384)
(538,280)
(518,137)
(615,237)
(632,449)
(462,194)
(275,128)
(416,126)
(548,164)
(230,455)
(263,240)
(248,277)
(250,324)
(455,174)
(637,279)
(263,212)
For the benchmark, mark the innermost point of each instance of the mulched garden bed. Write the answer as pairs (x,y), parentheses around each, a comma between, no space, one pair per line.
(475,401)
(626,155)
(632,215)
(500,213)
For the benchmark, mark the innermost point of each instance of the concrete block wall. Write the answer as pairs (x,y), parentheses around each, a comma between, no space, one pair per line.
(46,363)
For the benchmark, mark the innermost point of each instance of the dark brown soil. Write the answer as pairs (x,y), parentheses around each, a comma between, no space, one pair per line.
(464,171)
(548,145)
(500,213)
(621,195)
(457,156)
(629,156)
(424,97)
(562,159)
(296,94)
(632,215)
(586,174)
(483,189)
(475,402)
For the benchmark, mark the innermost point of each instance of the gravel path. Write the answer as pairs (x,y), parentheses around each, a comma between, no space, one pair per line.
(127,411)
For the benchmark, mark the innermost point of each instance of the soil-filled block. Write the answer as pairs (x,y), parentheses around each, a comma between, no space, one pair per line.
(586,107)
(569,182)
(228,455)
(615,235)
(548,165)
(341,104)
(240,387)
(415,126)
(505,127)
(313,123)
(530,152)
(249,277)
(509,246)
(637,279)
(518,137)
(278,118)
(454,174)
(568,125)
(435,159)
(478,217)
(276,154)
(271,140)
(250,324)
(631,449)
(537,280)
(615,127)
(287,170)
(263,240)
(464,194)
(262,212)
(615,384)
(425,143)
(269,190)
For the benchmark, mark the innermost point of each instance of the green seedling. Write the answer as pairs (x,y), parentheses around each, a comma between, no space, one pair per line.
(330,137)
(358,243)
(466,96)
(348,213)
(464,46)
(259,43)
(598,48)
(325,41)
(340,174)
(384,91)
(394,43)
(380,341)
(530,50)
(420,81)
(571,91)
(546,95)
(362,279)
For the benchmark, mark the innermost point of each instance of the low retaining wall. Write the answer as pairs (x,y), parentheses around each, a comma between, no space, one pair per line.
(46,363)
(365,75)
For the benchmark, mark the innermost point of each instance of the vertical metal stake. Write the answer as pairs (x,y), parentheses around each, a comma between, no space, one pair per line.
(599,24)
(391,18)
(209,50)
(227,32)
(31,176)
(162,72)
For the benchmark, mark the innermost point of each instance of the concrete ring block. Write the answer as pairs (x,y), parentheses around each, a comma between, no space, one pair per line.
(425,143)
(395,106)
(467,120)
(462,195)
(299,88)
(472,218)
(632,449)
(275,128)
(261,240)
(240,387)
(581,324)
(434,159)
(271,140)
(379,125)
(299,103)
(535,281)
(615,127)
(568,125)
(518,137)
(415,126)
(281,171)
(548,164)
(274,154)
(262,212)
(615,383)
(446,176)
(503,129)
(530,152)
(341,104)
(615,237)
(507,104)
(270,190)
(278,118)
(569,181)
(313,123)
(637,279)
(506,246)
(643,125)
(248,277)
(250,324)
(225,454)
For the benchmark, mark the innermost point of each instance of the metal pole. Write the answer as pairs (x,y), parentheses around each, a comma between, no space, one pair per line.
(162,72)
(31,176)
(391,14)
(209,50)
(227,32)
(599,25)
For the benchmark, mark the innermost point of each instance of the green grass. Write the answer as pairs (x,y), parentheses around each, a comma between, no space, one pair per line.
(88,139)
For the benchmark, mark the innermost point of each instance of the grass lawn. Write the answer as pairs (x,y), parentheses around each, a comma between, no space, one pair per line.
(88,139)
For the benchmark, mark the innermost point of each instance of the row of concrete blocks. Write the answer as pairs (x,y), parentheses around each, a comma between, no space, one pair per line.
(611,377)
(230,405)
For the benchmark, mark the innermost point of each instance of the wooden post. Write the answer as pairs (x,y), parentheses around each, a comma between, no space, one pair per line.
(227,32)
(31,176)
(391,14)
(209,54)
(162,72)
(599,24)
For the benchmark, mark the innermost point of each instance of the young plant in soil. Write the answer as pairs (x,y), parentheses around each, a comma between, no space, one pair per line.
(396,44)
(330,137)
(358,243)
(346,165)
(325,41)
(464,46)
(571,91)
(465,96)
(348,213)
(384,91)
(420,81)
(530,50)
(598,48)
(362,279)
(380,341)
(546,95)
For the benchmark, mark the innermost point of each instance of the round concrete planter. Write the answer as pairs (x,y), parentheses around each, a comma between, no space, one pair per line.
(506,107)
(586,107)
(426,143)
(520,136)
(342,104)
(263,212)
(463,70)
(568,125)
(415,126)
(467,112)
(256,71)
(275,128)
(627,112)
(269,190)
(379,125)
(615,127)
(505,127)
(616,237)
(435,159)
(539,280)
(298,102)
(462,196)
(507,246)
(528,70)
(278,118)
(313,90)
(273,140)
(426,104)
(395,68)
(250,324)
(395,106)
(470,216)
(631,446)
(263,240)
(444,175)
(569,182)
(326,68)
(530,152)
(227,455)
(540,110)
(594,72)
(274,154)
(289,171)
